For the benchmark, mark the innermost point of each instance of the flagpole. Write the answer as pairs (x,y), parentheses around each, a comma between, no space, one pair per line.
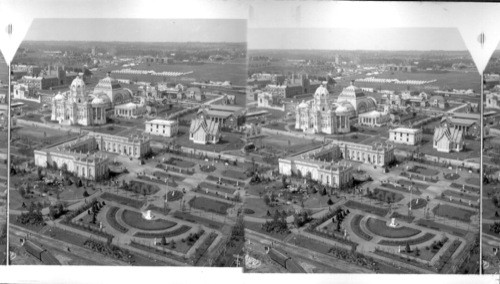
(481,173)
(8,162)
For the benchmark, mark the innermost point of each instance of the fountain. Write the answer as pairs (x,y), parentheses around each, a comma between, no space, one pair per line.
(393,223)
(147,215)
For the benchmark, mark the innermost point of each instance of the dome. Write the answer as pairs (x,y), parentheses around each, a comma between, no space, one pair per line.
(344,109)
(351,91)
(108,83)
(321,91)
(59,97)
(77,83)
(303,104)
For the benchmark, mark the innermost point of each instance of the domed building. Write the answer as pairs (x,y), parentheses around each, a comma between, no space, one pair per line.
(322,115)
(111,88)
(76,107)
(357,99)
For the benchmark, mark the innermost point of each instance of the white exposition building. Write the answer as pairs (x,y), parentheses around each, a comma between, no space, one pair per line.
(325,166)
(322,115)
(78,107)
(403,135)
(162,127)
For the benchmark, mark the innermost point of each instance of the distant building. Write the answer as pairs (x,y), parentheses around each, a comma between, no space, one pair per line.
(448,139)
(85,156)
(204,131)
(321,115)
(166,128)
(272,101)
(401,68)
(439,102)
(194,93)
(337,175)
(75,106)
(50,78)
(293,87)
(374,118)
(492,100)
(469,127)
(403,135)
(357,99)
(130,110)
(26,92)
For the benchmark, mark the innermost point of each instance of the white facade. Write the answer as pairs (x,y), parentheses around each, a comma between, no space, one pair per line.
(374,118)
(166,128)
(408,136)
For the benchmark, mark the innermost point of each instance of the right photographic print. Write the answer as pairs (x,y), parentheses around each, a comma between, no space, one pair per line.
(371,141)
(491,166)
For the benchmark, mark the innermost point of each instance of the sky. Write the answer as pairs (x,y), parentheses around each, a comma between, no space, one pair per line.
(138,30)
(356,39)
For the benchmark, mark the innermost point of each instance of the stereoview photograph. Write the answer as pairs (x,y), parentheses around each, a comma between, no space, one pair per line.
(119,134)
(371,144)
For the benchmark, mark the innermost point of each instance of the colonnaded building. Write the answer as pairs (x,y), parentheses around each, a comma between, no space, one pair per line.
(325,163)
(322,115)
(87,156)
(79,107)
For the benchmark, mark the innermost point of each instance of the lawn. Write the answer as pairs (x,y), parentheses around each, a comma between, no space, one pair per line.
(407,183)
(197,220)
(385,195)
(169,234)
(159,181)
(16,200)
(473,181)
(234,174)
(163,175)
(423,171)
(465,187)
(452,212)
(260,208)
(210,205)
(356,228)
(73,192)
(451,176)
(411,242)
(414,190)
(205,185)
(257,227)
(179,163)
(441,227)
(111,218)
(135,220)
(367,208)
(461,195)
(226,181)
(417,203)
(140,187)
(122,200)
(380,228)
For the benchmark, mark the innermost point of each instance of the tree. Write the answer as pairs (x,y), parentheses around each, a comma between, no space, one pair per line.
(408,249)
(22,191)
(79,183)
(39,173)
(267,200)
(329,202)
(496,214)
(163,241)
(323,192)
(283,181)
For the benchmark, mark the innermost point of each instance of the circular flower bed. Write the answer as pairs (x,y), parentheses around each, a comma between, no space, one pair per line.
(207,168)
(135,220)
(451,176)
(380,228)
(248,211)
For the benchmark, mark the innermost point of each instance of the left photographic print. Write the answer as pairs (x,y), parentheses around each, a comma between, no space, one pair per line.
(4,77)
(118,136)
